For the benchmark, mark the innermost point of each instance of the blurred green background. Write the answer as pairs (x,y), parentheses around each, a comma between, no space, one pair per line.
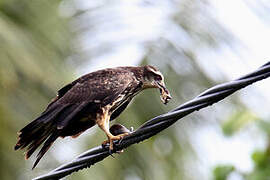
(47,44)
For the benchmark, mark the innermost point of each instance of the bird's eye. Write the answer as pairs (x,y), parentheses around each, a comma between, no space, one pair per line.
(158,78)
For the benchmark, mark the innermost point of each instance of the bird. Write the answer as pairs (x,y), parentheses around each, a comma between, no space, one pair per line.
(93,99)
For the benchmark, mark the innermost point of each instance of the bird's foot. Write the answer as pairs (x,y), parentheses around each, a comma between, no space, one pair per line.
(111,140)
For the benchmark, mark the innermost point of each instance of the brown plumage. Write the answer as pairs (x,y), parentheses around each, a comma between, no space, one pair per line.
(95,98)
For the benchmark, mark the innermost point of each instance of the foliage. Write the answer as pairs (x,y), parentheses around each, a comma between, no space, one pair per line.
(237,121)
(33,48)
(260,158)
(222,172)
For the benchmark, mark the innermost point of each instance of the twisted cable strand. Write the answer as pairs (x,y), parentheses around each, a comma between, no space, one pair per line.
(159,123)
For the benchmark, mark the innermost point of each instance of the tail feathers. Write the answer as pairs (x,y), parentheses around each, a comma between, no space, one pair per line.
(34,131)
(43,129)
(30,136)
(35,144)
(47,128)
(45,147)
(47,115)
(35,138)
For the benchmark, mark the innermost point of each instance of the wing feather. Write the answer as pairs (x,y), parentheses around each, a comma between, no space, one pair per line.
(99,87)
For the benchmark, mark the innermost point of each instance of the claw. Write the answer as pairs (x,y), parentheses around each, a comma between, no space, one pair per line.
(120,141)
(118,133)
(111,140)
(111,153)
(106,145)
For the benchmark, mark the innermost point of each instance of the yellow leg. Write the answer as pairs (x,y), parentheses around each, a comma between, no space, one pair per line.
(103,122)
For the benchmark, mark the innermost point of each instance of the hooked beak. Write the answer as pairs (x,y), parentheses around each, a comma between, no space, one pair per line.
(164,93)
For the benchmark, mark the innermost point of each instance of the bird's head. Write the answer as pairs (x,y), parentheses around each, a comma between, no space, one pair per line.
(154,79)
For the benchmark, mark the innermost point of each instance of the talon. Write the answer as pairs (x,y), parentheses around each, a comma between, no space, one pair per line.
(111,143)
(104,143)
(111,153)
(119,142)
(104,146)
(121,137)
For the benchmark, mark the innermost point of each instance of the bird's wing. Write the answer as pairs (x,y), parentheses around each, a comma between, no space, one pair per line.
(95,92)
(99,87)
(61,92)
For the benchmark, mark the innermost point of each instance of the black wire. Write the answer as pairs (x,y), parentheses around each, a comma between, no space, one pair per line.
(159,123)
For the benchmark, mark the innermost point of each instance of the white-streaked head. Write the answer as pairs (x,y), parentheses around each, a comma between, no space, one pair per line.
(153,78)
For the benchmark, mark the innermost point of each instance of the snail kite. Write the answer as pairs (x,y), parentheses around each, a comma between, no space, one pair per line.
(95,98)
